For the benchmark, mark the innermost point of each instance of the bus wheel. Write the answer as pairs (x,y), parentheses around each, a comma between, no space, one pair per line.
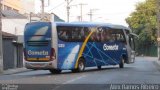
(99,67)
(81,66)
(121,64)
(55,71)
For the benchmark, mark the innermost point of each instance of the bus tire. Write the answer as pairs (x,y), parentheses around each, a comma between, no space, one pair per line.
(121,64)
(99,67)
(55,71)
(81,66)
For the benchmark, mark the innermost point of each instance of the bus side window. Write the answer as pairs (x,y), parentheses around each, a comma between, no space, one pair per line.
(72,34)
(76,36)
(111,35)
(96,36)
(93,37)
(119,35)
(64,34)
(82,34)
(69,35)
(106,35)
(86,31)
(103,34)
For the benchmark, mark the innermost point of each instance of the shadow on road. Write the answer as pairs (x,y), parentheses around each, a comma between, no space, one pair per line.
(44,73)
(94,69)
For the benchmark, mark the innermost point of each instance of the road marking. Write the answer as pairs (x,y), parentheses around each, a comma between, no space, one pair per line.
(67,82)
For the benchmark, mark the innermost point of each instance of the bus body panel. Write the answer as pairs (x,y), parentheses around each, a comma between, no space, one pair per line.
(95,54)
(98,54)
(68,54)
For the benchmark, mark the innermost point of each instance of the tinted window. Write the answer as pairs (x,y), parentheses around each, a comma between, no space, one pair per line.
(112,35)
(104,34)
(118,35)
(94,37)
(72,34)
(78,34)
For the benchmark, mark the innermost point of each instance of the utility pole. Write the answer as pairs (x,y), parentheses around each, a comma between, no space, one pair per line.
(42,9)
(68,8)
(81,5)
(1,50)
(91,13)
(158,27)
(30,17)
(48,3)
(79,18)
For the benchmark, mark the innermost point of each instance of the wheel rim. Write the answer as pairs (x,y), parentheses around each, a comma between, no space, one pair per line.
(81,66)
(122,61)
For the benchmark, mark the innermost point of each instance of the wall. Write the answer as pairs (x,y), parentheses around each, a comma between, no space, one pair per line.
(12,53)
(8,54)
(14,26)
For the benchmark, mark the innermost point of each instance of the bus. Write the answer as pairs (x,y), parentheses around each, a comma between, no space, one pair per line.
(74,46)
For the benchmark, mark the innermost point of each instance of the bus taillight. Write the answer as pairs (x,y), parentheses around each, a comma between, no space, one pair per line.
(53,54)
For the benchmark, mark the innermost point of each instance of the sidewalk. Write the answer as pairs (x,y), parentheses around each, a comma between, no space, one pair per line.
(15,70)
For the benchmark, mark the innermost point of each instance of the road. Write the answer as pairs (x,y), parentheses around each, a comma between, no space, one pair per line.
(143,71)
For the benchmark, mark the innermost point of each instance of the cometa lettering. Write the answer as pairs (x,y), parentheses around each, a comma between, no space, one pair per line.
(110,47)
(30,52)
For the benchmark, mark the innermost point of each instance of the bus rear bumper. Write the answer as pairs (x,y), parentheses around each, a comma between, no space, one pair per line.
(40,65)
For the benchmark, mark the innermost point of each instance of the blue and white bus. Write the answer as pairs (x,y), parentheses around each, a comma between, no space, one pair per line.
(74,46)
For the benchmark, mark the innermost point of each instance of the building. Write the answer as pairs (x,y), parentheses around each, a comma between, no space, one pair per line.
(14,5)
(12,52)
(13,22)
(47,17)
(18,21)
(20,6)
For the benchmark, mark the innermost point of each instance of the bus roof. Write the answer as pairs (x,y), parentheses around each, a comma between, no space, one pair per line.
(92,24)
(88,24)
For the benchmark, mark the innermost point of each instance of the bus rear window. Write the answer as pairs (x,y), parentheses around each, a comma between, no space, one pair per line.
(38,29)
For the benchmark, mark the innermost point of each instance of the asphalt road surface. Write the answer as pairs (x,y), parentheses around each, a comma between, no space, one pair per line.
(143,71)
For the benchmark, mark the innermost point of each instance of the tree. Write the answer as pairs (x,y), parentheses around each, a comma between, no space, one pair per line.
(143,22)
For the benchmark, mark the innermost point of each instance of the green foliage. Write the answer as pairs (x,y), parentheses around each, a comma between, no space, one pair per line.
(143,22)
